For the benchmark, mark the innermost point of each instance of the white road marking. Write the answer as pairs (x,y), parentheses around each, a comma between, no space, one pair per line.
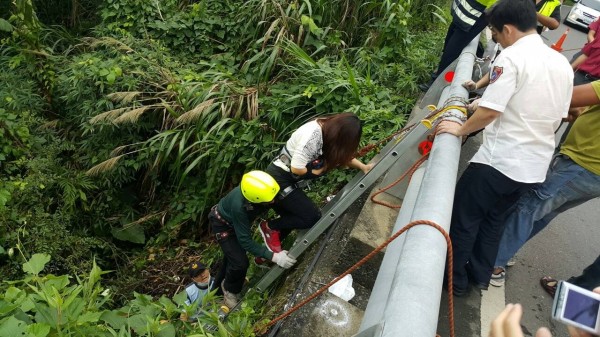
(492,303)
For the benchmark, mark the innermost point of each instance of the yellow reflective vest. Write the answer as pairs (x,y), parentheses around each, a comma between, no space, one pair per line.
(548,7)
(466,12)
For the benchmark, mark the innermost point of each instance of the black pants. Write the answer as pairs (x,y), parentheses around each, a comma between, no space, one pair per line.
(581,77)
(590,278)
(481,201)
(456,40)
(235,262)
(296,210)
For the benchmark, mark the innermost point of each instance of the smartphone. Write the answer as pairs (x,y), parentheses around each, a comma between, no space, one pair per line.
(577,307)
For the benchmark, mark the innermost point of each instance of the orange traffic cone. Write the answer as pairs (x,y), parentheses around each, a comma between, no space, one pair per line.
(558,45)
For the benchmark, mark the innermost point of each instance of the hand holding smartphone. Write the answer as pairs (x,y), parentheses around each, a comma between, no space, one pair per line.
(577,307)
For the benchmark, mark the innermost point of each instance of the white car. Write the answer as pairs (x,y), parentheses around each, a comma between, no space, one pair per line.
(583,13)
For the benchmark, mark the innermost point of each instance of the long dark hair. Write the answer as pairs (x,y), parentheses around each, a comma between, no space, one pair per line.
(341,137)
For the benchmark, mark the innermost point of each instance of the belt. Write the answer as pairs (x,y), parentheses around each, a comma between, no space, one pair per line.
(218,216)
(283,160)
(286,191)
(224,235)
(591,77)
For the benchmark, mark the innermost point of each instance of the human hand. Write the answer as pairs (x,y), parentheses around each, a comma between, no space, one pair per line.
(283,260)
(573,114)
(574,332)
(470,85)
(449,127)
(471,107)
(366,168)
(508,324)
(318,172)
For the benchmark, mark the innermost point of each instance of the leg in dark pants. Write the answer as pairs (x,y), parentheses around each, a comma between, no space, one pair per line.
(296,211)
(235,265)
(482,196)
(456,40)
(590,278)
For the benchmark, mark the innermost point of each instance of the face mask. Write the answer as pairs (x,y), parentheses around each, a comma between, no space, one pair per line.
(202,285)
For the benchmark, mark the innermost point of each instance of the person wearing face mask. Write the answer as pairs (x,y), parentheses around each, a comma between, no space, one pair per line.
(202,283)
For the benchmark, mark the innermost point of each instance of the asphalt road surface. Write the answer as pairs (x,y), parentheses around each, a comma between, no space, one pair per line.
(569,244)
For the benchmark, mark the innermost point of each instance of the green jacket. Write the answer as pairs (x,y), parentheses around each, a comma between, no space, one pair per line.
(240,213)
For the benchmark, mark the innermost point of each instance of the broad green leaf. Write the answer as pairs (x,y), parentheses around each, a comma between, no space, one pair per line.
(180,298)
(13,327)
(114,318)
(38,330)
(5,26)
(110,78)
(36,264)
(89,317)
(6,307)
(12,293)
(132,233)
(166,330)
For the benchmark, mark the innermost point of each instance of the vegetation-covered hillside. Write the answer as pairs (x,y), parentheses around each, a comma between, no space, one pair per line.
(123,121)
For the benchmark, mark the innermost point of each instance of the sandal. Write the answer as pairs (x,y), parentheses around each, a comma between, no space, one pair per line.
(549,284)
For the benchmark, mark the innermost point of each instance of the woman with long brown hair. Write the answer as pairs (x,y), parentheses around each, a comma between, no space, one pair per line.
(313,149)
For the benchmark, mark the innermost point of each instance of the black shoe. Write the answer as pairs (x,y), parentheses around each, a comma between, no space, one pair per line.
(458,292)
(481,286)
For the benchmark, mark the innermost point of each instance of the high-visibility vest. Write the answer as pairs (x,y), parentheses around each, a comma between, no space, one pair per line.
(548,7)
(466,12)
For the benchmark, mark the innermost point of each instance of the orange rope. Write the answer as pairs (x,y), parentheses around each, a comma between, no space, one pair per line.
(373,253)
(408,173)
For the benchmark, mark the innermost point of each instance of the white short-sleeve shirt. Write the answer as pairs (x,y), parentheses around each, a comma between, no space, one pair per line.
(305,144)
(531,86)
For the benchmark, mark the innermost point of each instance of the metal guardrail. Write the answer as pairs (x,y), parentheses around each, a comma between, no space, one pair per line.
(406,300)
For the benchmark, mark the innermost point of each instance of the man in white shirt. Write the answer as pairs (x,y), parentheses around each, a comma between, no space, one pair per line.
(529,93)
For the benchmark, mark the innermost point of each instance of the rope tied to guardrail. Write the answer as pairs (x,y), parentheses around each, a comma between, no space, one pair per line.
(429,120)
(371,255)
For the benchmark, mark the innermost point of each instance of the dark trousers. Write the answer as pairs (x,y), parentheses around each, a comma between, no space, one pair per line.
(456,40)
(581,77)
(296,210)
(481,201)
(590,278)
(235,262)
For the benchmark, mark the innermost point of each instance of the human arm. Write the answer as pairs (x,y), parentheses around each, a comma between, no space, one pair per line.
(578,61)
(593,27)
(584,95)
(508,324)
(235,210)
(357,164)
(591,35)
(552,21)
(304,170)
(480,119)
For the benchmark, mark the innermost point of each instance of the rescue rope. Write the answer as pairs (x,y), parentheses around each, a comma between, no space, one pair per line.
(371,255)
(408,173)
(431,118)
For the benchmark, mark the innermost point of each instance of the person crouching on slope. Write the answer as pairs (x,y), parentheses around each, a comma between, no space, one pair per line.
(231,221)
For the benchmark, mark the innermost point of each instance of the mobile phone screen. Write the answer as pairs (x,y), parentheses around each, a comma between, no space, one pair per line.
(581,309)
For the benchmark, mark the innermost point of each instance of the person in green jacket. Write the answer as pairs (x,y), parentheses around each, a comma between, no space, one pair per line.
(231,220)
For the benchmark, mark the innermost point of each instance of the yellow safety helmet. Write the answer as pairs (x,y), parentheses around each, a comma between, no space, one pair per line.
(259,186)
